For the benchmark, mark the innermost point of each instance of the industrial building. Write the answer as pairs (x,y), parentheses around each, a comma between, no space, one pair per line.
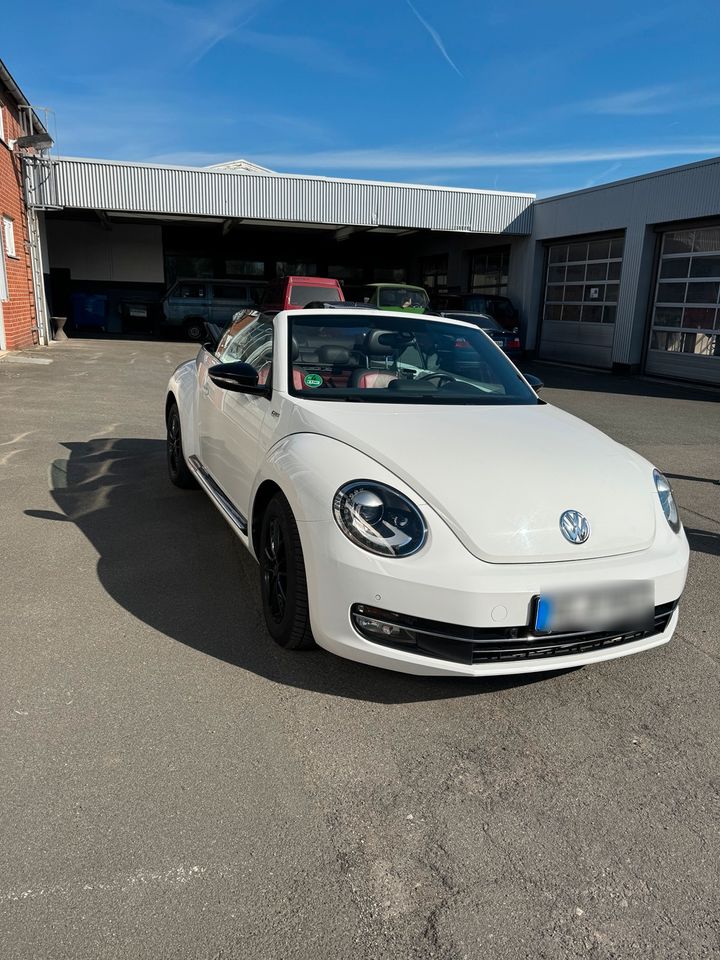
(22,319)
(624,276)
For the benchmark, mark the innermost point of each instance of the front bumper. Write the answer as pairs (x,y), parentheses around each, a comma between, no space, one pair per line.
(445,584)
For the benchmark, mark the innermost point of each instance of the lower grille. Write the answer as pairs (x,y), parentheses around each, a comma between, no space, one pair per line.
(477,645)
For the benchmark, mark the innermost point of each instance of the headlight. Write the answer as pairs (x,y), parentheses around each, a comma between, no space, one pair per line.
(379,519)
(667,500)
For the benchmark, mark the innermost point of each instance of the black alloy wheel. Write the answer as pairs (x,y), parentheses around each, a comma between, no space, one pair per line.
(275,571)
(283,583)
(178,469)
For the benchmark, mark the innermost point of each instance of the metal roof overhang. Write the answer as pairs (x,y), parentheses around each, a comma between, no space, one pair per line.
(143,188)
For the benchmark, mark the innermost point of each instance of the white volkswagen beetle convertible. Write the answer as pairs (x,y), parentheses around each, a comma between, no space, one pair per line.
(413,504)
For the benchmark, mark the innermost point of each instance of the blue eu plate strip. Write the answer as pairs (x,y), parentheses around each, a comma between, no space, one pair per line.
(543,615)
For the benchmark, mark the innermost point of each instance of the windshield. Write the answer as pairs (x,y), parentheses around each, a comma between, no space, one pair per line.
(301,294)
(409,359)
(402,297)
(479,319)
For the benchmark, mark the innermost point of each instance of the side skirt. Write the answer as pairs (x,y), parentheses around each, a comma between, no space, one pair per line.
(233,516)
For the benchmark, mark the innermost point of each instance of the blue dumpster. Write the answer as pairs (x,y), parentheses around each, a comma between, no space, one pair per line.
(89,311)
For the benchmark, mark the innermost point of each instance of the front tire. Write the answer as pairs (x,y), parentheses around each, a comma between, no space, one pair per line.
(283,583)
(178,470)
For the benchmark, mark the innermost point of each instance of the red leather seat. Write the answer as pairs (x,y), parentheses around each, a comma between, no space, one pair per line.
(369,379)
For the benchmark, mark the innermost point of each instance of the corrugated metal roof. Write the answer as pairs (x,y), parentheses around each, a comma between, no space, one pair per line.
(191,191)
(239,166)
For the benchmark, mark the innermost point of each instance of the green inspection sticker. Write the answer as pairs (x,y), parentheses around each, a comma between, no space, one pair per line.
(313,380)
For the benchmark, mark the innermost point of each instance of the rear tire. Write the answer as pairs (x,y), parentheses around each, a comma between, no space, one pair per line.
(283,583)
(178,470)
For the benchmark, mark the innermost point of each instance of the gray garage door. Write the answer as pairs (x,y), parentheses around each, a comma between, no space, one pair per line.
(580,302)
(685,334)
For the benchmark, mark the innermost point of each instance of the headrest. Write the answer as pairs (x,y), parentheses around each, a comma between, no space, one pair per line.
(374,348)
(295,349)
(337,356)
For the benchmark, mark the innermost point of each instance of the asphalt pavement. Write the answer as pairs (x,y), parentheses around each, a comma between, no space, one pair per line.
(175,786)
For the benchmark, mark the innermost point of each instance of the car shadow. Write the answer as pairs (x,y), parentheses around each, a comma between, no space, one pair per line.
(703,541)
(558,376)
(686,476)
(169,558)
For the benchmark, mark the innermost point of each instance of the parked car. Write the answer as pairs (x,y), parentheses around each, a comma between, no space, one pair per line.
(495,306)
(190,303)
(396,296)
(509,340)
(433,521)
(293,293)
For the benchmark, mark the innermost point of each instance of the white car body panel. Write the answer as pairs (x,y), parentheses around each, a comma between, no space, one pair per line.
(492,474)
(491,493)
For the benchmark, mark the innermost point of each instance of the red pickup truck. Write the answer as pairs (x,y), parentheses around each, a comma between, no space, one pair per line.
(292,293)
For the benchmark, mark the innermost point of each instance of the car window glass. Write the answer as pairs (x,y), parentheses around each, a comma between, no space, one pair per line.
(398,359)
(194,291)
(300,294)
(402,298)
(248,339)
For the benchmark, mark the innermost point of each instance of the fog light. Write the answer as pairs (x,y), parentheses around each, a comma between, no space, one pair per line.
(374,628)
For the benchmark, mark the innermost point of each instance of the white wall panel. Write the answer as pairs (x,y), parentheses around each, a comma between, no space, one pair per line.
(130,253)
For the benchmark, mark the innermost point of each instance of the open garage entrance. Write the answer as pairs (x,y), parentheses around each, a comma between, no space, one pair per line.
(119,275)
(119,235)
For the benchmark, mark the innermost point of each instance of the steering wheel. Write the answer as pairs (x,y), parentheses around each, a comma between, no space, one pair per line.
(440,377)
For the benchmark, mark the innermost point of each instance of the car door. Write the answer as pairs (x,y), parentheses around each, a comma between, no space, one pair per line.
(231,425)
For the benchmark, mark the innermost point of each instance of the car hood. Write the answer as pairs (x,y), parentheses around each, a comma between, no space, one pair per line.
(501,476)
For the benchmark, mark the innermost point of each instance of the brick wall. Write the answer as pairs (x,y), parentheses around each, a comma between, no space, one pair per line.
(18,312)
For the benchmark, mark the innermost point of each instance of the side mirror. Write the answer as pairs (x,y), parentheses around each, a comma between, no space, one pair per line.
(239,377)
(535,382)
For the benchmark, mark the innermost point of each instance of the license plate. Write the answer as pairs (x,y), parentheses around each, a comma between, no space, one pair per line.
(622,606)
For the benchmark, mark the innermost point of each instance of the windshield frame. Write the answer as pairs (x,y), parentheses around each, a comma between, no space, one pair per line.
(379,320)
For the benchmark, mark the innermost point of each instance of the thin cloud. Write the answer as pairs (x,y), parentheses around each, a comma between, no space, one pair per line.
(199,28)
(603,175)
(395,159)
(311,52)
(647,102)
(437,39)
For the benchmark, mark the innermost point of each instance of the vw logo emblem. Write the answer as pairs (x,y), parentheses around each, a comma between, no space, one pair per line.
(575,527)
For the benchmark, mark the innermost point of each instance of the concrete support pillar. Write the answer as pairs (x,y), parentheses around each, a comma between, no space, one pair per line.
(635,293)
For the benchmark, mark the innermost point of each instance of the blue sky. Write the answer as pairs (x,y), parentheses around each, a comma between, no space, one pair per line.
(526,96)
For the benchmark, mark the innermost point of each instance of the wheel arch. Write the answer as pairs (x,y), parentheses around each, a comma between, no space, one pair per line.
(263,495)
(181,390)
(308,469)
(170,400)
